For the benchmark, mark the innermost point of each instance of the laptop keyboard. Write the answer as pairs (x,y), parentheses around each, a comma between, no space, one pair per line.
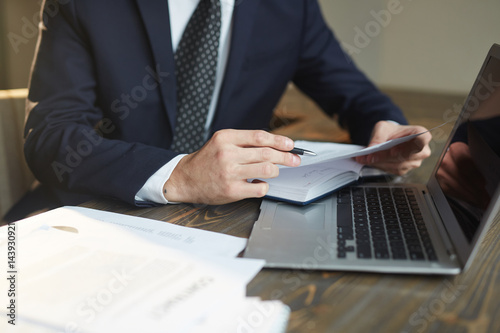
(381,223)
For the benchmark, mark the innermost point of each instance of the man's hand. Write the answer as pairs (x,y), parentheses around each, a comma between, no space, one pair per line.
(401,158)
(218,172)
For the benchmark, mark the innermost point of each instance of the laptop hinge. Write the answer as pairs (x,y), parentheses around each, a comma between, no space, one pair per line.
(450,249)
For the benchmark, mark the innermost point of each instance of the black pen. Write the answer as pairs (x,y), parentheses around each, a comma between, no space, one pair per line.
(300,151)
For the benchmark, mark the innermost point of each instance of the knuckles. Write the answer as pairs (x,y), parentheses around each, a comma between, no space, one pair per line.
(229,191)
(259,137)
(269,170)
(227,173)
(222,136)
(266,154)
(222,155)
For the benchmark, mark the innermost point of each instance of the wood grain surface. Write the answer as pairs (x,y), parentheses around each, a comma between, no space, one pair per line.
(323,301)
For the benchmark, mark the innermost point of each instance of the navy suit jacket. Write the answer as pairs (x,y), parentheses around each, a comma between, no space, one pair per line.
(102,100)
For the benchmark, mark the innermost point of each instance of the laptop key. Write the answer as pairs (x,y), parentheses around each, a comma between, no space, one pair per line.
(345,236)
(397,244)
(381,254)
(344,215)
(379,244)
(343,200)
(399,255)
(362,241)
(417,256)
(341,236)
(364,254)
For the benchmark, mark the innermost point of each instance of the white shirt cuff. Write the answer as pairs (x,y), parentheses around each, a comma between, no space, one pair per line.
(153,188)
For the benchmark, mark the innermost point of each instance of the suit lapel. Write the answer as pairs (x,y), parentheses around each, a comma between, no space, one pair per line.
(243,21)
(156,18)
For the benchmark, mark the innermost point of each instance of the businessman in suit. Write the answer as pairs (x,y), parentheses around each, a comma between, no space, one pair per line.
(119,107)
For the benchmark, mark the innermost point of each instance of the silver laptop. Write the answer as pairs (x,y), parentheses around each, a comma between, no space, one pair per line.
(401,228)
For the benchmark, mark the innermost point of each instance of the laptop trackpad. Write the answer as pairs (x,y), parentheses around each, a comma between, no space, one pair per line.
(310,217)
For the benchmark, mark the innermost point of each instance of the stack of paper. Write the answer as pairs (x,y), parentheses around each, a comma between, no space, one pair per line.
(82,270)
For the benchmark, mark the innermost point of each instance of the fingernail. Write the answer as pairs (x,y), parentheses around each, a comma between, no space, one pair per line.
(289,144)
(295,159)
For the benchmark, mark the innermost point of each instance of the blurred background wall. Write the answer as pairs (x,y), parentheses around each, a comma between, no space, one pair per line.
(18,24)
(422,44)
(407,44)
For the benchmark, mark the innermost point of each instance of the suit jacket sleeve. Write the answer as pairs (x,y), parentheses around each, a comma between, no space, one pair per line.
(69,142)
(330,77)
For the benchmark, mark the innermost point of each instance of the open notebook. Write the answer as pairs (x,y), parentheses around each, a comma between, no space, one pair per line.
(317,176)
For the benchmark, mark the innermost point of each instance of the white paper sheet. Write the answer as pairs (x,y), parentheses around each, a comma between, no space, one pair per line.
(247,315)
(328,151)
(106,278)
(96,223)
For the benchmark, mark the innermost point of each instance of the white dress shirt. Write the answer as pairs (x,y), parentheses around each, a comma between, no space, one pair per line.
(180,13)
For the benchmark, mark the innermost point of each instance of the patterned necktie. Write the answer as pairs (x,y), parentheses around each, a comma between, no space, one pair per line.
(196,66)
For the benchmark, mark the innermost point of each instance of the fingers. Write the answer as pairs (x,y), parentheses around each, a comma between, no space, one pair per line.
(253,138)
(385,130)
(401,158)
(396,155)
(257,155)
(242,190)
(399,165)
(398,168)
(247,147)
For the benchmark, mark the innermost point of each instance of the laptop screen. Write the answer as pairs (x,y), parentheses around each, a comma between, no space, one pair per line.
(469,172)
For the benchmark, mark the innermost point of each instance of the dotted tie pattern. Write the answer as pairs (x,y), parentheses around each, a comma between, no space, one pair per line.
(195,68)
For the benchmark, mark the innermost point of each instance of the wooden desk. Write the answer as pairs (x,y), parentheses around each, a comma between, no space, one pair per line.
(355,302)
